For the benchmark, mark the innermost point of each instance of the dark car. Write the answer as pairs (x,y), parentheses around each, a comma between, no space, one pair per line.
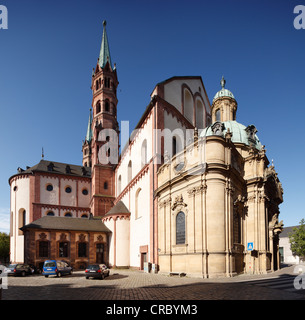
(35,269)
(97,271)
(18,270)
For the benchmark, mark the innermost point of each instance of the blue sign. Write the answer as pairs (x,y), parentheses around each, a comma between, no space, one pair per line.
(250,246)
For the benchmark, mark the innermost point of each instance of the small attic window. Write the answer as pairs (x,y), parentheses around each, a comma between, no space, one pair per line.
(51,166)
(84,171)
(68,169)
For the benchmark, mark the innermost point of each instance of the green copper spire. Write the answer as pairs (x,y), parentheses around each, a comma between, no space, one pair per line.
(89,130)
(105,52)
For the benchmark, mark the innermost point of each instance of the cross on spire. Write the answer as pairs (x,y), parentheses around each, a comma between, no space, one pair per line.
(222,82)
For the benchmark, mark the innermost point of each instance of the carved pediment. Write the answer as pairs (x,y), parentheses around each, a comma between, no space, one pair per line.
(42,236)
(251,132)
(63,237)
(82,237)
(218,128)
(178,202)
(100,238)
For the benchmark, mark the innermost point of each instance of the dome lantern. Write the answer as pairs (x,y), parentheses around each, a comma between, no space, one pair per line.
(224,105)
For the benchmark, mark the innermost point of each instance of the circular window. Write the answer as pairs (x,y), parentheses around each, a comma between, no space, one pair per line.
(49,187)
(85,192)
(68,189)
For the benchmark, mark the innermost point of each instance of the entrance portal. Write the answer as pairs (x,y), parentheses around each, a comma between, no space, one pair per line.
(99,253)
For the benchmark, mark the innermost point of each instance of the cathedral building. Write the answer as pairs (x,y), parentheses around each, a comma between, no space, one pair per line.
(192,191)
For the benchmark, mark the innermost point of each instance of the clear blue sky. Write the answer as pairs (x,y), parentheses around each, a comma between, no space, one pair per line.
(48,52)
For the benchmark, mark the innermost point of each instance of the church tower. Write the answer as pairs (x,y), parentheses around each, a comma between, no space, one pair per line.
(102,138)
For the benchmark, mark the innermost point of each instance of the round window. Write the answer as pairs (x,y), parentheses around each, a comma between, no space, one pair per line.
(49,187)
(68,189)
(85,192)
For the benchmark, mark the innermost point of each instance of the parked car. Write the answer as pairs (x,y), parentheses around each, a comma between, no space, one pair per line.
(35,269)
(18,270)
(55,267)
(97,271)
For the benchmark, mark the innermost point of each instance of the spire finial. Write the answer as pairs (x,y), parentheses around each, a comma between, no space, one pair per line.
(42,154)
(104,52)
(89,128)
(222,82)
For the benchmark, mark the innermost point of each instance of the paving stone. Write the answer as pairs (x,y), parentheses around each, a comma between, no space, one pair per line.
(136,285)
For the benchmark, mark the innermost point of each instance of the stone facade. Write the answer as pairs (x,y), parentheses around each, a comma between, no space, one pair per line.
(228,197)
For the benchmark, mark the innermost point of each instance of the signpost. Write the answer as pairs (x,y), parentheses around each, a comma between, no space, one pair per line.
(250,246)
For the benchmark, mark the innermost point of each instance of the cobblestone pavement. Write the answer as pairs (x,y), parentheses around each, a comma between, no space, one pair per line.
(136,285)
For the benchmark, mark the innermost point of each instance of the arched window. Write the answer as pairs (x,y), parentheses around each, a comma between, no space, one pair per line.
(218,115)
(174,146)
(105,185)
(107,106)
(84,216)
(199,114)
(21,220)
(188,105)
(119,184)
(129,171)
(180,228)
(43,249)
(98,107)
(51,214)
(68,214)
(107,82)
(144,153)
(236,227)
(63,249)
(137,203)
(82,249)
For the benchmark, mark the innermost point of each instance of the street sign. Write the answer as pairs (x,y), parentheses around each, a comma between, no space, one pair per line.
(250,246)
